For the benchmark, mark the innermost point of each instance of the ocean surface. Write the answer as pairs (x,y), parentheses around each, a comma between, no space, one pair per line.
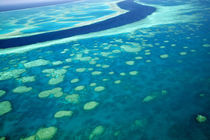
(106,70)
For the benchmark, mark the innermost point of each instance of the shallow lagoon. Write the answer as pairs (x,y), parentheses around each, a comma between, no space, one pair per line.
(25,22)
(150,83)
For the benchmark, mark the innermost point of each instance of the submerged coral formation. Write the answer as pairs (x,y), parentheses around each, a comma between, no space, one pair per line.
(99,88)
(57,76)
(133,72)
(57,80)
(74,80)
(29,138)
(149,98)
(2,92)
(80,69)
(99,130)
(73,98)
(22,89)
(2,138)
(36,63)
(5,107)
(57,63)
(92,84)
(201,118)
(11,74)
(79,88)
(63,113)
(131,49)
(27,79)
(164,56)
(56,92)
(130,62)
(90,105)
(117,82)
(96,72)
(46,133)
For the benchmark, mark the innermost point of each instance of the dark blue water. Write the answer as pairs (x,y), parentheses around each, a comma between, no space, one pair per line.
(136,13)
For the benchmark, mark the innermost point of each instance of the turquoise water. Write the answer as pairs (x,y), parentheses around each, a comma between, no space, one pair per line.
(24,22)
(151,83)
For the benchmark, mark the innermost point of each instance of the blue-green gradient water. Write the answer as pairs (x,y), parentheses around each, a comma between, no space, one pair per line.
(150,83)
